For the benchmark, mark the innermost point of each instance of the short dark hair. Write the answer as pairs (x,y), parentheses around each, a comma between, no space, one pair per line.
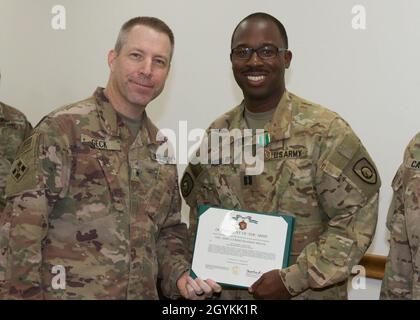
(152,22)
(265,16)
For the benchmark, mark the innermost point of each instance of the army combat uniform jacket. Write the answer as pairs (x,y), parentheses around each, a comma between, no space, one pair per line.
(87,196)
(402,271)
(316,170)
(14,128)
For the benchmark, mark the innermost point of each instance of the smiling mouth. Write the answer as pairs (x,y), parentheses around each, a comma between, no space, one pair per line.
(142,85)
(255,78)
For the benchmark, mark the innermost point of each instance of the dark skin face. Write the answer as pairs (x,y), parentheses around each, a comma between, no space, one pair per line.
(262,81)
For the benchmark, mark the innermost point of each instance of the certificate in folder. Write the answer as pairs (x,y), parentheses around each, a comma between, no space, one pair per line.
(235,247)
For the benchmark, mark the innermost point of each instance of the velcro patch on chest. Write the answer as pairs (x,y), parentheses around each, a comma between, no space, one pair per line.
(413,164)
(299,153)
(101,144)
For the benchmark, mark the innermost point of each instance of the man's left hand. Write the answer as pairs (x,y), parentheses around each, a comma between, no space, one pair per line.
(197,289)
(270,286)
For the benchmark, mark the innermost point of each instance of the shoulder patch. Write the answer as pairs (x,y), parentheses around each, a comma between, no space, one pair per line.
(18,169)
(187,184)
(22,174)
(365,171)
(362,172)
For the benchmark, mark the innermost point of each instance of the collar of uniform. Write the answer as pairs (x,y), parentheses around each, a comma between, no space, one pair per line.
(280,125)
(109,120)
(149,131)
(107,113)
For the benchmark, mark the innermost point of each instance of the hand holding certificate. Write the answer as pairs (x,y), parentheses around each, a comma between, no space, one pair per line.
(236,247)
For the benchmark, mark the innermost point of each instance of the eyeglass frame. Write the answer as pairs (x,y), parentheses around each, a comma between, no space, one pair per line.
(278,50)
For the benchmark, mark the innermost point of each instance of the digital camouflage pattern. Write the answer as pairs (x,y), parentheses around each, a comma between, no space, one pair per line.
(402,271)
(87,195)
(316,170)
(14,128)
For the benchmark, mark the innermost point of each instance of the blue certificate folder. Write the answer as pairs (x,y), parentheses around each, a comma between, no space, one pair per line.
(243,218)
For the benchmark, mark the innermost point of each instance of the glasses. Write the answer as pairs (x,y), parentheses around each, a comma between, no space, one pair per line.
(264,52)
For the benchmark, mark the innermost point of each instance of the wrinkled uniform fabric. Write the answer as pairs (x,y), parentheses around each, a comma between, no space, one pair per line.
(14,129)
(402,271)
(315,169)
(86,195)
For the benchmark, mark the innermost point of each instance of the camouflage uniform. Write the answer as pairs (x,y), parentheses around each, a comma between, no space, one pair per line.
(315,169)
(14,128)
(402,271)
(87,195)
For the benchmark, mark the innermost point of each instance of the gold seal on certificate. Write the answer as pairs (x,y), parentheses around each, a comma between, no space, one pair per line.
(235,248)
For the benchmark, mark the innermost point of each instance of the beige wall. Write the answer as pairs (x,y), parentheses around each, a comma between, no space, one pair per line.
(368,76)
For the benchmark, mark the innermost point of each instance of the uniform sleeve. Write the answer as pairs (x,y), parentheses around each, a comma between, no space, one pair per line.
(28,129)
(397,281)
(36,180)
(22,131)
(197,190)
(347,185)
(172,247)
(401,279)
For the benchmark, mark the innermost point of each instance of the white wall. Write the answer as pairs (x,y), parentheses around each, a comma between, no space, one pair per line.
(368,76)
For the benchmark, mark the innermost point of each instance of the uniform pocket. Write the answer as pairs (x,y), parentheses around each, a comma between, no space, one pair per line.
(294,190)
(159,182)
(95,185)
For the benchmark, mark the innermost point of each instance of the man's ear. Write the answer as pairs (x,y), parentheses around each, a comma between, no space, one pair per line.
(112,55)
(288,58)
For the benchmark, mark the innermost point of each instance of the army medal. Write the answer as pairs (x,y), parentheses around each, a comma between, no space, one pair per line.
(264,140)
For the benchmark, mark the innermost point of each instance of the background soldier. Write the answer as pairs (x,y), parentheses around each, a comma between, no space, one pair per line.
(14,128)
(402,271)
(330,184)
(89,194)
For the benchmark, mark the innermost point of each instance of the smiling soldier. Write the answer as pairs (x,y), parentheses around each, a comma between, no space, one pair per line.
(87,193)
(315,169)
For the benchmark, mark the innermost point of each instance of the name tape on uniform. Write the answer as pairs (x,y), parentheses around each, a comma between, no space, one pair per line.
(112,145)
(413,164)
(285,154)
